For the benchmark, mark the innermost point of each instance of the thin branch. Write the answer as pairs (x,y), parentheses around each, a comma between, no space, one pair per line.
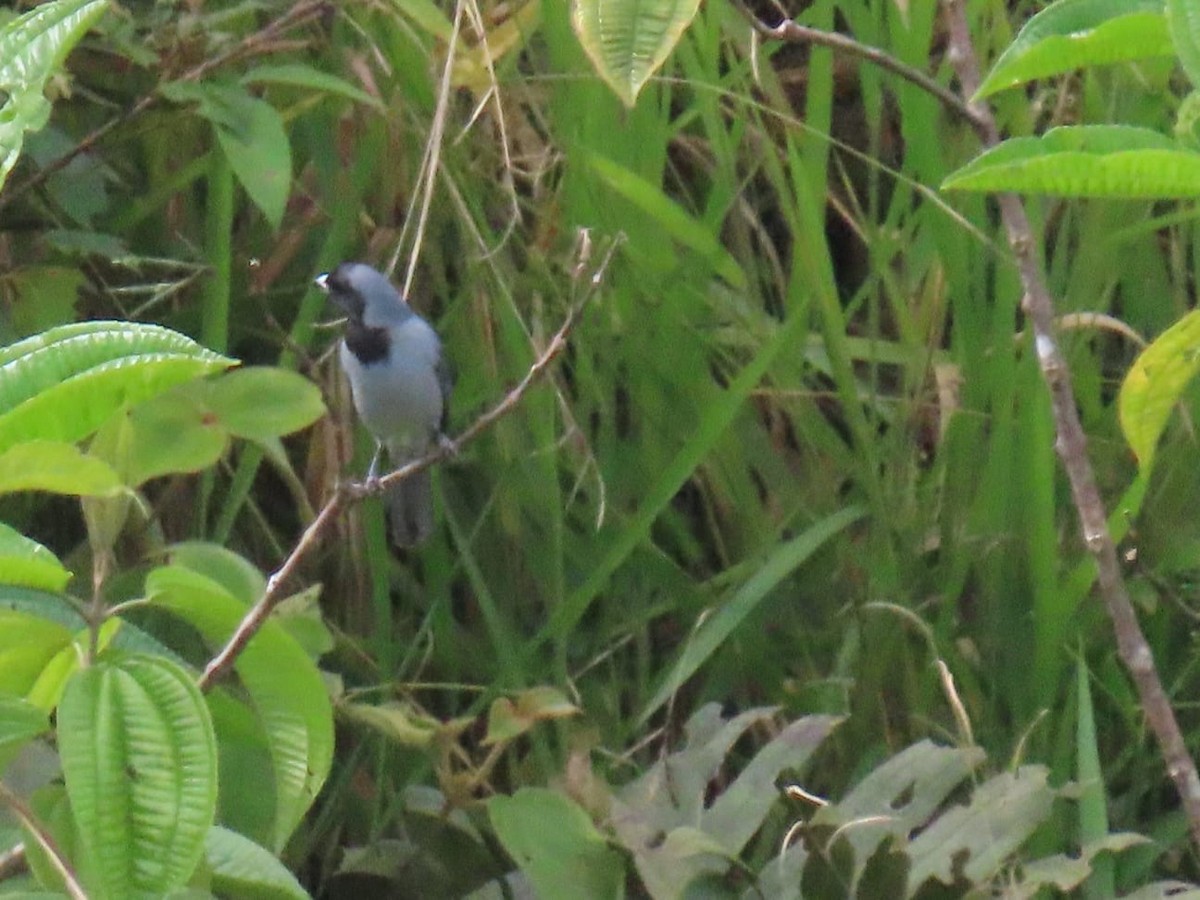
(297,15)
(1071,444)
(793,32)
(43,837)
(348,493)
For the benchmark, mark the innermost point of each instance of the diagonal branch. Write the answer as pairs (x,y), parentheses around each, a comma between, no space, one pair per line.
(1071,444)
(792,32)
(346,494)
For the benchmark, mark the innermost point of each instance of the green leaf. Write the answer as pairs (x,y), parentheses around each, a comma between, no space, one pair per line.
(297,75)
(629,40)
(783,560)
(510,718)
(20,723)
(26,562)
(1070,34)
(901,794)
(556,845)
(262,402)
(975,841)
(241,868)
(1155,382)
(173,432)
(43,297)
(284,685)
(63,384)
(673,219)
(140,763)
(33,47)
(27,645)
(57,468)
(251,135)
(1183,17)
(1085,161)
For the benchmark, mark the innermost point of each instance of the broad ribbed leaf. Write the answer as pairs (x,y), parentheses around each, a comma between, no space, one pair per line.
(32,48)
(1154,384)
(26,562)
(55,467)
(1183,17)
(140,763)
(241,868)
(284,685)
(1085,161)
(63,384)
(1071,34)
(628,40)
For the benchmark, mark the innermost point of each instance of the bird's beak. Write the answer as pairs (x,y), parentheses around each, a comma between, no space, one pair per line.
(322,281)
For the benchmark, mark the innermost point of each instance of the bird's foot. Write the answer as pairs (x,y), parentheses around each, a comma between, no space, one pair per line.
(448,445)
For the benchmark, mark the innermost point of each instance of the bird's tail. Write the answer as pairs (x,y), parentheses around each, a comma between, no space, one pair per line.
(410,509)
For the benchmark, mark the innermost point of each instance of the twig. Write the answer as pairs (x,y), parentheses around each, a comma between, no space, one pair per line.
(43,837)
(348,493)
(793,32)
(1071,444)
(297,15)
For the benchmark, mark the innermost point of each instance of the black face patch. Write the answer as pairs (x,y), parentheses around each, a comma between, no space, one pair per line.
(369,345)
(344,294)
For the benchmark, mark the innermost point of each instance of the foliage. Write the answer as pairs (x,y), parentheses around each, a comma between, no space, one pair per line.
(796,453)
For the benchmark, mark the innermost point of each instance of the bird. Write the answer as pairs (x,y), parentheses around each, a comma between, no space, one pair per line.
(400,384)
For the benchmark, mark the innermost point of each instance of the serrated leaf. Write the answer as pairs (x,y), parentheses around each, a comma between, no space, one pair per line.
(33,47)
(241,868)
(63,384)
(556,845)
(25,562)
(1085,161)
(284,685)
(629,40)
(1071,34)
(1154,384)
(140,763)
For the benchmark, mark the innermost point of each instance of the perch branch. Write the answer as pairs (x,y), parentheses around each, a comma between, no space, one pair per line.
(346,494)
(792,32)
(1071,445)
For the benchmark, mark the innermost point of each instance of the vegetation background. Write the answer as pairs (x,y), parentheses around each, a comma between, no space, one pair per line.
(797,451)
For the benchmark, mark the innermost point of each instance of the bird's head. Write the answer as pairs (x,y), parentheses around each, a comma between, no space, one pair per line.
(364,294)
